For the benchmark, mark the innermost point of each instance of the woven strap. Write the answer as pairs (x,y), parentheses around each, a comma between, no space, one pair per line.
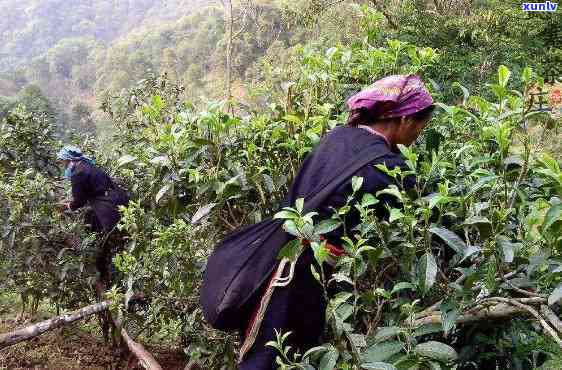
(277,281)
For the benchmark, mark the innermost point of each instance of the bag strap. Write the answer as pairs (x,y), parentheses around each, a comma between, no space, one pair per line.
(366,156)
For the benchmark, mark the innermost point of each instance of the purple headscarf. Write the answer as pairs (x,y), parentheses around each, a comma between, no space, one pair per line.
(393,96)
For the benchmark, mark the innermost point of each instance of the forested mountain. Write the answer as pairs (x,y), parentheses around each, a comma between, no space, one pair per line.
(72,49)
(31,28)
(76,52)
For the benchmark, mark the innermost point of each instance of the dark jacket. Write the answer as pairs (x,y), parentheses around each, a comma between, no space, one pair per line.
(91,185)
(374,180)
(244,260)
(300,307)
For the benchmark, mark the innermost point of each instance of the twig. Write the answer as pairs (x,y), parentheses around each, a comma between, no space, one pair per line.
(230,226)
(523,291)
(428,311)
(496,311)
(231,212)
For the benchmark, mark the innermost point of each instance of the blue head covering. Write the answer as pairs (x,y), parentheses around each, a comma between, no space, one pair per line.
(72,153)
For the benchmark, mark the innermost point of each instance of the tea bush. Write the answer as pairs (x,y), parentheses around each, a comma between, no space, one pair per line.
(480,236)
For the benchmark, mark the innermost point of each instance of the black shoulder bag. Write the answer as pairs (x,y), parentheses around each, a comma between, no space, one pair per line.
(245,259)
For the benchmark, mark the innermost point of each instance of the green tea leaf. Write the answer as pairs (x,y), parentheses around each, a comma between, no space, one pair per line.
(378,366)
(356,183)
(507,248)
(483,181)
(428,329)
(329,360)
(358,340)
(314,350)
(476,220)
(368,200)
(163,191)
(469,251)
(395,214)
(449,237)
(526,75)
(391,190)
(299,204)
(503,75)
(386,333)
(126,159)
(320,252)
(291,250)
(381,351)
(436,351)
(402,286)
(285,215)
(327,226)
(554,214)
(427,272)
(202,212)
(555,296)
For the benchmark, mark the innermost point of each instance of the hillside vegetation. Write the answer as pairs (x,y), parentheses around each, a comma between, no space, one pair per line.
(205,117)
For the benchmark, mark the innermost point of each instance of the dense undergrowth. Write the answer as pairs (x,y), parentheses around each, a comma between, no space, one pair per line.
(484,225)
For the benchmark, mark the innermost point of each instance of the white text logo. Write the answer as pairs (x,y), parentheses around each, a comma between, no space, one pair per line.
(547,6)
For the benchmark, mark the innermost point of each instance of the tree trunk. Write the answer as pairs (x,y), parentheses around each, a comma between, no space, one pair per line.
(227,4)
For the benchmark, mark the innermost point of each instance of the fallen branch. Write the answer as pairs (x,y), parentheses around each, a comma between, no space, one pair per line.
(534,312)
(32,331)
(523,291)
(145,358)
(493,312)
(551,316)
(499,307)
(488,308)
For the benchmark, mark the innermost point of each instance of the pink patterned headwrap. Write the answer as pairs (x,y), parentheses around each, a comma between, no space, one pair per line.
(393,96)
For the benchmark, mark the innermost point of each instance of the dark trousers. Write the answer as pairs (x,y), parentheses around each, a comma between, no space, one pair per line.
(110,242)
(300,308)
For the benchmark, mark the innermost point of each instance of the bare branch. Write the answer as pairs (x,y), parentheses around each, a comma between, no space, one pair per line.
(533,312)
(496,311)
(551,316)
(32,331)
(486,309)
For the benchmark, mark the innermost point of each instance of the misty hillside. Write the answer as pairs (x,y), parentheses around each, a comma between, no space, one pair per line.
(70,54)
(77,51)
(30,28)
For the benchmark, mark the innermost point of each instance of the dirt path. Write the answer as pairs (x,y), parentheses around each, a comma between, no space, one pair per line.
(78,346)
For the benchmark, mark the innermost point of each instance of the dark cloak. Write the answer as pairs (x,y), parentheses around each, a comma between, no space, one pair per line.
(91,185)
(243,261)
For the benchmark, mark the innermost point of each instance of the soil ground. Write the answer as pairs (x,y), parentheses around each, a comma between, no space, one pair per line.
(76,346)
